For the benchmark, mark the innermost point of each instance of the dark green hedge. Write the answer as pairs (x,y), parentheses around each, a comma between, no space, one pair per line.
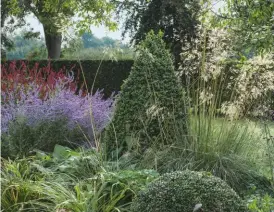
(110,76)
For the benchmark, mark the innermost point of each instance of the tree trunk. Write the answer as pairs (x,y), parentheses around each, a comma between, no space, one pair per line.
(53,43)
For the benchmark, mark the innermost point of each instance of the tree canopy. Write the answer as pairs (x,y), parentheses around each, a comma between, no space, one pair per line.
(252,21)
(175,18)
(57,15)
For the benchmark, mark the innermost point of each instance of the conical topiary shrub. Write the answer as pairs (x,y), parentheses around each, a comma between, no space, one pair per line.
(150,102)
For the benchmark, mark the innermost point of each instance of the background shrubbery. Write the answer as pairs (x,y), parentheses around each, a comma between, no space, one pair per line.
(106,75)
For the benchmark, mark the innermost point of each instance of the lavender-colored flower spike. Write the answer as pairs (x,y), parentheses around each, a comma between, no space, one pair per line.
(62,103)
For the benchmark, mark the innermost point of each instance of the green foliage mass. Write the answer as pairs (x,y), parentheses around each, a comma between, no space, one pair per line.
(91,41)
(184,191)
(251,21)
(26,48)
(80,164)
(8,25)
(119,188)
(150,99)
(57,16)
(22,139)
(99,54)
(259,203)
(66,181)
(176,18)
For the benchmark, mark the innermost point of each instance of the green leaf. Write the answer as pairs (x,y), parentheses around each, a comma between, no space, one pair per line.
(61,152)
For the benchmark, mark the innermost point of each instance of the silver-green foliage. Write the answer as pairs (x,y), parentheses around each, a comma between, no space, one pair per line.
(150,98)
(183,191)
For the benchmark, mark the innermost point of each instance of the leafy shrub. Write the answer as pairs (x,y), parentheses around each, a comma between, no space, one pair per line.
(260,203)
(52,183)
(183,191)
(77,164)
(22,138)
(150,98)
(253,88)
(116,190)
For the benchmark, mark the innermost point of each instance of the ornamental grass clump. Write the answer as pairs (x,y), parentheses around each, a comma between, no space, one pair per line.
(219,143)
(150,102)
(188,191)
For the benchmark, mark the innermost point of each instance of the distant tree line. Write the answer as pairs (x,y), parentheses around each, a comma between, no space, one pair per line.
(35,48)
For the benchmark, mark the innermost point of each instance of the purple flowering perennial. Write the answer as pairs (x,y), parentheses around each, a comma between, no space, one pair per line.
(62,103)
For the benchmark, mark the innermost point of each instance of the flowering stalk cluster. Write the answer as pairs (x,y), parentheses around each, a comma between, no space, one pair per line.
(236,86)
(15,78)
(59,101)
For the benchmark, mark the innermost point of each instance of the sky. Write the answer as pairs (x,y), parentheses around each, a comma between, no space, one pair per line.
(100,31)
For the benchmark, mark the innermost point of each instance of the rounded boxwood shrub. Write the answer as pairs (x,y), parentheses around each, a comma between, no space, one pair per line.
(150,99)
(183,191)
